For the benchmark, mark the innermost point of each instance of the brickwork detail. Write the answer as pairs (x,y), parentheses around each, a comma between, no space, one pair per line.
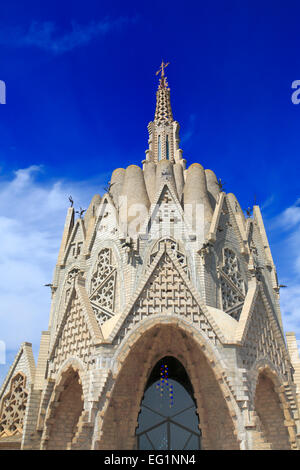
(65,415)
(167,293)
(272,433)
(261,341)
(166,219)
(217,418)
(13,407)
(75,339)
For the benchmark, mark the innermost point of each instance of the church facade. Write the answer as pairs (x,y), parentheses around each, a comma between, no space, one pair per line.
(165,329)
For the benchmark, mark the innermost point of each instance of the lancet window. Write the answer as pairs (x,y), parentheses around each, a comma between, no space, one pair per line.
(102,287)
(232,284)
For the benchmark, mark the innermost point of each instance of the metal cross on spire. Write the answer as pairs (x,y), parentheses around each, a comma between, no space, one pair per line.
(162,68)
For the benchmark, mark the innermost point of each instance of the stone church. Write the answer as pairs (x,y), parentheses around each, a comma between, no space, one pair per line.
(165,329)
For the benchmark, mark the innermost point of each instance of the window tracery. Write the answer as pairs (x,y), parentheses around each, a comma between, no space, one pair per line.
(13,407)
(102,288)
(232,284)
(174,247)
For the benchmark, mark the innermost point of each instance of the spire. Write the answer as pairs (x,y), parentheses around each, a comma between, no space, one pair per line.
(163,111)
(163,130)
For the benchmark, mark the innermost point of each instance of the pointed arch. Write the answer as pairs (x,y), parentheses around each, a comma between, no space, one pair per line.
(64,411)
(134,362)
(168,418)
(272,413)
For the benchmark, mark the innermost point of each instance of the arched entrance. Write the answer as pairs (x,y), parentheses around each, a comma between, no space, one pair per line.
(168,418)
(66,414)
(272,433)
(119,418)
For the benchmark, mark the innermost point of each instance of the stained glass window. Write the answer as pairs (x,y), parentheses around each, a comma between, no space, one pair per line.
(168,418)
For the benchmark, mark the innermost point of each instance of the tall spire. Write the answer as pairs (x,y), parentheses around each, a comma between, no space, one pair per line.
(163,111)
(163,130)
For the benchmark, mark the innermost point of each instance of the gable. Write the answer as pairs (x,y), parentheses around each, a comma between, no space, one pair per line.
(75,244)
(262,339)
(166,292)
(227,229)
(78,332)
(24,363)
(106,225)
(166,216)
(13,406)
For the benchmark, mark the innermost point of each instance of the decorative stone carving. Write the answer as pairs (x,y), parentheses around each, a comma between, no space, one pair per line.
(69,282)
(166,293)
(13,407)
(168,243)
(102,288)
(261,341)
(232,284)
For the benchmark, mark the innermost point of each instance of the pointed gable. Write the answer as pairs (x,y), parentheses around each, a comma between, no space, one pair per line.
(78,332)
(106,225)
(75,245)
(166,291)
(166,216)
(14,393)
(259,332)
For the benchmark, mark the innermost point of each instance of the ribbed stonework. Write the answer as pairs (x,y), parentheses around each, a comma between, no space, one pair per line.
(163,111)
(164,270)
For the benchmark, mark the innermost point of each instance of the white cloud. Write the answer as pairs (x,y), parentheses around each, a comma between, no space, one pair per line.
(31,224)
(190,130)
(286,228)
(290,217)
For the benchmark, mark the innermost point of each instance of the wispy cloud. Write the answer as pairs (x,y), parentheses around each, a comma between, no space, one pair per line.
(290,217)
(47,36)
(31,222)
(268,202)
(190,130)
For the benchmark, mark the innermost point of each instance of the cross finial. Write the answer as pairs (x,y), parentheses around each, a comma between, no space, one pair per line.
(162,69)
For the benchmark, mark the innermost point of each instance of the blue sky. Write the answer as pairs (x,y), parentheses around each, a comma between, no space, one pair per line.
(80,91)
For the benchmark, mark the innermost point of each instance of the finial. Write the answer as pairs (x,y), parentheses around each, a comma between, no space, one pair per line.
(162,68)
(81,212)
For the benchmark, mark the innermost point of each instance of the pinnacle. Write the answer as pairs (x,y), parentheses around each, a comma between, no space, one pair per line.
(163,110)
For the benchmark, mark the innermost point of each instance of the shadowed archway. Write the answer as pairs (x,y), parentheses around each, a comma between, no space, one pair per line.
(66,413)
(272,433)
(121,411)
